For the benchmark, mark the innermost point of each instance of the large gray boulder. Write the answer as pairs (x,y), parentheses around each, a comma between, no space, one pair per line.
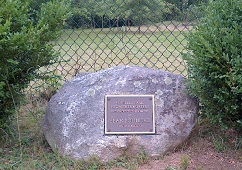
(74,120)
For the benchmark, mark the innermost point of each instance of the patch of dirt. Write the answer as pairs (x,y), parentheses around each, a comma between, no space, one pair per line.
(198,157)
(201,152)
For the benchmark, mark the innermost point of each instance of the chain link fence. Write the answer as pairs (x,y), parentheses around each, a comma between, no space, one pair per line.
(106,33)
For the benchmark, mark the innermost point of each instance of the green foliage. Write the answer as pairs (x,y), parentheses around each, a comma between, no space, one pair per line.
(184,4)
(106,13)
(142,156)
(214,61)
(185,162)
(25,46)
(218,143)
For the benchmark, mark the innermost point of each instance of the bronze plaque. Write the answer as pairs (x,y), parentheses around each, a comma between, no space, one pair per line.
(129,114)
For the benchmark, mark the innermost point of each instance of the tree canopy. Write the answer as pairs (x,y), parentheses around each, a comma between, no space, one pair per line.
(108,13)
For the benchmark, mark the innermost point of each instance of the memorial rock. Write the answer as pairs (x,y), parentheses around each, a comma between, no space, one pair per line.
(74,124)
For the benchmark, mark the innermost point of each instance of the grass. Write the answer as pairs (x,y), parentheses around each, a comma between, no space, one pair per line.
(185,162)
(93,50)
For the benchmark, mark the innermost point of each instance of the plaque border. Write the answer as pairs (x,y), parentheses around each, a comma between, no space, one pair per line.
(129,133)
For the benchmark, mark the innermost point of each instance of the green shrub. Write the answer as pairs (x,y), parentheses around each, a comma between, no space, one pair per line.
(26,44)
(214,61)
(194,12)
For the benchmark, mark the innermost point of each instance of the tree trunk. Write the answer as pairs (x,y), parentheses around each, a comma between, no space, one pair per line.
(102,22)
(94,25)
(109,24)
(128,25)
